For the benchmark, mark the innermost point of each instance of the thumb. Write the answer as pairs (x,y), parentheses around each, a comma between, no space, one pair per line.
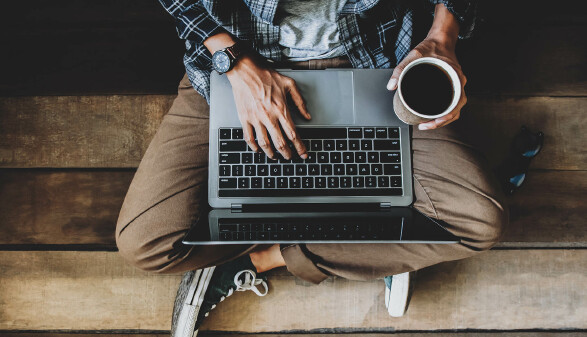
(392,84)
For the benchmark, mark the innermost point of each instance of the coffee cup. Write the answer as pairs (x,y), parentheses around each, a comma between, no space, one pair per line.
(428,88)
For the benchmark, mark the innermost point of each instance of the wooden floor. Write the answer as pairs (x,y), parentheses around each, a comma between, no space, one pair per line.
(83,87)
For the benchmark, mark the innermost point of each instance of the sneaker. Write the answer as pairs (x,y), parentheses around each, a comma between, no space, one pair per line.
(397,294)
(200,291)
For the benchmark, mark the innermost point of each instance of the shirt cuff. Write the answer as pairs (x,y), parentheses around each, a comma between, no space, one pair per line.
(464,11)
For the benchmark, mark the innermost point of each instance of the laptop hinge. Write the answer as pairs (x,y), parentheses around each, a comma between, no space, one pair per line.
(236,207)
(385,204)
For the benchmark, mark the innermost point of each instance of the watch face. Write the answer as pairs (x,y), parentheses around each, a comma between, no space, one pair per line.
(221,61)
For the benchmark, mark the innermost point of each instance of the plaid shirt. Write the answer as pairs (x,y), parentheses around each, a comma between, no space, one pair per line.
(375,34)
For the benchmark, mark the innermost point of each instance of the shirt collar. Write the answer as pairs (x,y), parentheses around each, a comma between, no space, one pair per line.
(264,10)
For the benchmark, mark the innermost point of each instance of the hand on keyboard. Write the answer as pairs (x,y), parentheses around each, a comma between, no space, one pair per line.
(260,94)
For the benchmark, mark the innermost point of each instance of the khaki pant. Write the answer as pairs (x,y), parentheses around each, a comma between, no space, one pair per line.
(451,182)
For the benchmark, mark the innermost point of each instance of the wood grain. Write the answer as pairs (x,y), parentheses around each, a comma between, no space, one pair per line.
(78,131)
(527,289)
(114,131)
(331,334)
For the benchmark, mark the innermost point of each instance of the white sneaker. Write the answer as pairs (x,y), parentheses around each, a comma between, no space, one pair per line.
(397,291)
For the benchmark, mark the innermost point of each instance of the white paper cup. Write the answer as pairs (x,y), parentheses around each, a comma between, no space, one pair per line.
(407,114)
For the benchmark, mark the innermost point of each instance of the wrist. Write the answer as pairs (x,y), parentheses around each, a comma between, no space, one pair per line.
(445,27)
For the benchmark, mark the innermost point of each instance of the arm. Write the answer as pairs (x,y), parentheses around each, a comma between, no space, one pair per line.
(440,43)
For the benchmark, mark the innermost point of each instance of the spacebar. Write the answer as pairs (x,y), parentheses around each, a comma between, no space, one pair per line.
(272,192)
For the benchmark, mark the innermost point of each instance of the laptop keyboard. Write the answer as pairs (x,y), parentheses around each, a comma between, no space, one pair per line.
(351,161)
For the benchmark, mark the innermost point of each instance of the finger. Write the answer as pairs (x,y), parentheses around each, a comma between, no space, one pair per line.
(290,131)
(392,84)
(278,139)
(263,140)
(298,100)
(440,122)
(249,137)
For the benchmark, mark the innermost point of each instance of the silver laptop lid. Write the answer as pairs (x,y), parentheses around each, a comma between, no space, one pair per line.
(334,98)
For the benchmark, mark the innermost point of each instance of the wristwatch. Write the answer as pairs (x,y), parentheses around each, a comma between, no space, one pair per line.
(224,59)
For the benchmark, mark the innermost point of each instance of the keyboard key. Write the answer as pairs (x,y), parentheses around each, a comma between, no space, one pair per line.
(225,133)
(308,182)
(390,157)
(262,170)
(341,145)
(282,182)
(243,182)
(380,133)
(237,133)
(326,169)
(354,145)
(393,132)
(322,133)
(224,170)
(233,145)
(383,181)
(227,183)
(358,181)
(395,181)
(335,157)
(332,182)
(366,144)
(250,170)
(256,183)
(323,157)
(259,158)
(316,145)
(368,132)
(273,161)
(314,169)
(329,145)
(376,169)
(345,182)
(229,158)
(275,170)
(311,157)
(339,169)
(351,169)
(288,170)
(269,182)
(348,157)
(370,182)
(320,182)
(386,144)
(301,170)
(364,169)
(360,157)
(295,182)
(390,170)
(246,158)
(373,157)
(237,170)
(355,133)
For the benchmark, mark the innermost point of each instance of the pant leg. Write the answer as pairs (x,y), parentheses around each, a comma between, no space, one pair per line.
(168,191)
(453,183)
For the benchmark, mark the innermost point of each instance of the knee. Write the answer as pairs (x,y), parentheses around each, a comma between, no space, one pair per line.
(489,224)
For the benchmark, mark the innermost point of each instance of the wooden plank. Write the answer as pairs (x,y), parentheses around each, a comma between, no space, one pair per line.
(527,289)
(490,123)
(401,334)
(78,131)
(114,131)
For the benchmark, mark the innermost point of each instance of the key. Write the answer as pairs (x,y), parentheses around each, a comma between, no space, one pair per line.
(358,181)
(275,170)
(243,182)
(259,158)
(237,170)
(339,169)
(395,181)
(311,157)
(224,170)
(237,133)
(345,182)
(335,157)
(376,169)
(307,182)
(288,170)
(224,133)
(351,169)
(316,145)
(229,158)
(269,182)
(314,169)
(250,170)
(227,183)
(232,145)
(369,132)
(364,169)
(326,169)
(383,181)
(390,170)
(366,144)
(355,133)
(282,182)
(373,157)
(393,132)
(348,157)
(301,170)
(370,182)
(390,157)
(256,182)
(354,144)
(328,145)
(381,133)
(263,170)
(341,145)
(380,144)
(323,157)
(320,182)
(295,182)
(246,158)
(360,157)
(332,182)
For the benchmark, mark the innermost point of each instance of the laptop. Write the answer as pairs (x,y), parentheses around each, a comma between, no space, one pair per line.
(354,187)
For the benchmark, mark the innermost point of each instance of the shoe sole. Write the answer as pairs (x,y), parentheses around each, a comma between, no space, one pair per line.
(186,321)
(396,301)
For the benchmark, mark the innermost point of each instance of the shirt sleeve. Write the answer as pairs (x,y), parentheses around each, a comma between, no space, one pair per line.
(194,25)
(465,12)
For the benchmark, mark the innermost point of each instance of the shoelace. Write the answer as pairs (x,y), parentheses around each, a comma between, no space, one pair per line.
(250,282)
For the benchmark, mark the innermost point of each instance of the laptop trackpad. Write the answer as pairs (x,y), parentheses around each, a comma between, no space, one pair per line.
(328,96)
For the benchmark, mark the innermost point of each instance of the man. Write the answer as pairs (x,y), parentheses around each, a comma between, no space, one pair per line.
(451,180)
